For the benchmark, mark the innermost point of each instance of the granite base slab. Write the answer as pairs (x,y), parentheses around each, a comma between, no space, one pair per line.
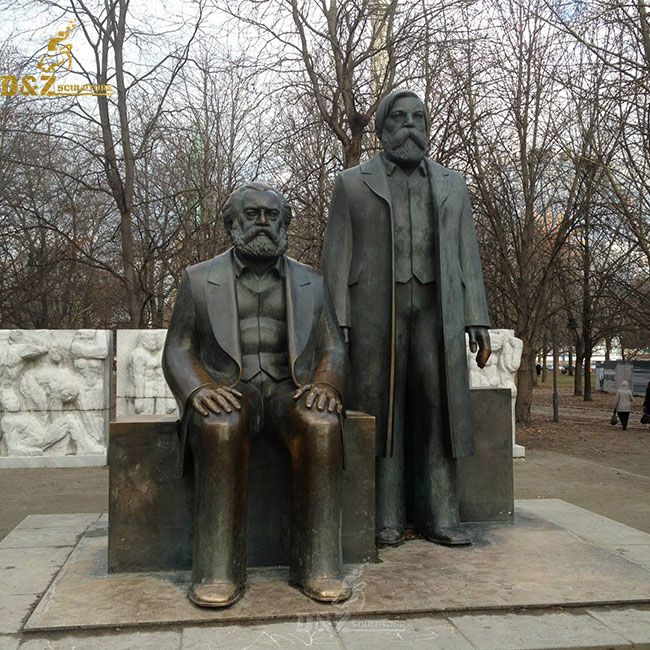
(539,561)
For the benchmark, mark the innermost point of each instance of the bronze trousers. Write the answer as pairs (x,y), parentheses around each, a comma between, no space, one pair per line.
(417,485)
(221,446)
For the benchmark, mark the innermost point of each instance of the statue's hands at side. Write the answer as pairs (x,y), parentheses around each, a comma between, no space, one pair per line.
(479,338)
(324,396)
(215,399)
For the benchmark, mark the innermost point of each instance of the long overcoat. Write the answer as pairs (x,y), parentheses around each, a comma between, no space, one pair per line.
(203,341)
(358,267)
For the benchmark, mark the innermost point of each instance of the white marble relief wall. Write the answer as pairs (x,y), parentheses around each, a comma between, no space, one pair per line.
(54,395)
(500,371)
(141,387)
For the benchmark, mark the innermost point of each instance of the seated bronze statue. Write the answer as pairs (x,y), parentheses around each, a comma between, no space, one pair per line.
(253,348)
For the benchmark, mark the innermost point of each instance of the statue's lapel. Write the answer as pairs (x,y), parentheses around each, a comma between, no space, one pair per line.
(439,180)
(374,176)
(221,301)
(300,308)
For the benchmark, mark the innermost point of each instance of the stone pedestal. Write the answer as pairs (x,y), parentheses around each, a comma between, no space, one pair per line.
(554,555)
(150,506)
(485,480)
(518,451)
(499,372)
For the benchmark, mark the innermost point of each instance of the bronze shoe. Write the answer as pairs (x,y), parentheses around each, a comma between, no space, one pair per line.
(390,536)
(447,536)
(216,593)
(325,590)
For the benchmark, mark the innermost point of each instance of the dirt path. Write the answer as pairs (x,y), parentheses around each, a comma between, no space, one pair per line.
(584,431)
(50,491)
(572,413)
(607,490)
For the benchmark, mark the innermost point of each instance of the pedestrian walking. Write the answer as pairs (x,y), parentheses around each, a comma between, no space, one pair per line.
(623,403)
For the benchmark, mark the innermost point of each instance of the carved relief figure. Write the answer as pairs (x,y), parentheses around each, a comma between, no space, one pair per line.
(56,402)
(151,393)
(89,351)
(501,368)
(31,434)
(490,375)
(12,362)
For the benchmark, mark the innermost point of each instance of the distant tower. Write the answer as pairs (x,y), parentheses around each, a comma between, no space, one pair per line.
(197,161)
(381,16)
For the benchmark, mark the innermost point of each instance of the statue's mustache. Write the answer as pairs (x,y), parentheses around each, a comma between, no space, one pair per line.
(400,137)
(260,231)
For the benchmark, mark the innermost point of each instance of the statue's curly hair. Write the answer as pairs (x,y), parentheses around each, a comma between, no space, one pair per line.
(233,202)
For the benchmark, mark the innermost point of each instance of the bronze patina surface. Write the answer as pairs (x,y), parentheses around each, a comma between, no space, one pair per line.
(402,264)
(150,504)
(253,349)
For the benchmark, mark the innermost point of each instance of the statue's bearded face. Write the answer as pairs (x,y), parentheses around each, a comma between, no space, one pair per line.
(258,228)
(404,133)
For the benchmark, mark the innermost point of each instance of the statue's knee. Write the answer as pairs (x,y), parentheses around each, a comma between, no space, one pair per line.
(223,428)
(322,424)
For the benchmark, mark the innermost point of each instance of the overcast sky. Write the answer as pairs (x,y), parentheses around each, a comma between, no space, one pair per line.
(28,26)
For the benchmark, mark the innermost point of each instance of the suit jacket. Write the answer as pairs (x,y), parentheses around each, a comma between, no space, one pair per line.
(358,267)
(203,346)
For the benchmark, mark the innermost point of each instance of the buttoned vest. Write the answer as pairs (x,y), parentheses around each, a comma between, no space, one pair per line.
(263,331)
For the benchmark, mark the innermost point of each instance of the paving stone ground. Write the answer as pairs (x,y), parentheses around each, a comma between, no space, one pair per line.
(25,573)
(611,628)
(612,486)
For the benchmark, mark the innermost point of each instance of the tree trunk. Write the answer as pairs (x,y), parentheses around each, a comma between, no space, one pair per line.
(580,355)
(121,184)
(525,386)
(588,397)
(587,343)
(352,150)
(556,374)
(128,261)
(544,355)
(570,370)
(608,347)
(577,379)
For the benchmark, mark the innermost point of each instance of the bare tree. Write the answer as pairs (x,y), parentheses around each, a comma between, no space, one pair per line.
(345,55)
(618,37)
(524,189)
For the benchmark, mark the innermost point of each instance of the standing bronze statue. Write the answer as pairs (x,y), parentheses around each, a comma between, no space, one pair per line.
(402,265)
(253,348)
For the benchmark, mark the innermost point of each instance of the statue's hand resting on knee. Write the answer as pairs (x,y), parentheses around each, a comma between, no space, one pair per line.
(323,395)
(215,399)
